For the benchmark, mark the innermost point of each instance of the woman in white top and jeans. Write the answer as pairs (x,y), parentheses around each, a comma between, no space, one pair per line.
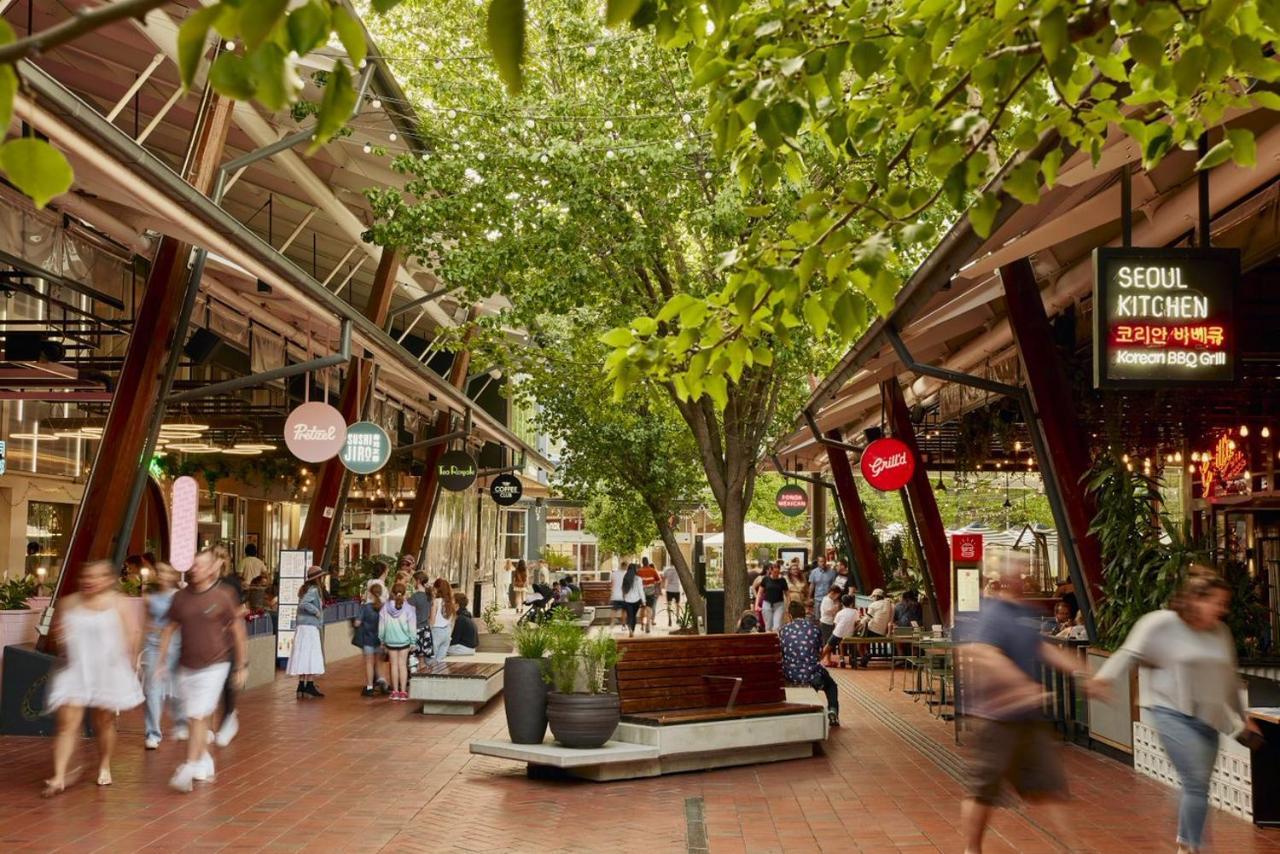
(442,610)
(1193,688)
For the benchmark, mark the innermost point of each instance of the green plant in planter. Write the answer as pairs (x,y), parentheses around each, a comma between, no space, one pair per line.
(531,640)
(686,618)
(575,595)
(577,661)
(492,622)
(600,654)
(1141,572)
(15,593)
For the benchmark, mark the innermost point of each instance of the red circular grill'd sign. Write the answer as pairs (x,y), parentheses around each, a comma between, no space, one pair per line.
(887,464)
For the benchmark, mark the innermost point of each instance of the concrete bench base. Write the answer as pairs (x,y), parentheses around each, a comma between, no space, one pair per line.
(453,694)
(639,750)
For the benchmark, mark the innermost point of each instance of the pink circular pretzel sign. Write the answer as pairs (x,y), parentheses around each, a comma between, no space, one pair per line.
(315,432)
(183,518)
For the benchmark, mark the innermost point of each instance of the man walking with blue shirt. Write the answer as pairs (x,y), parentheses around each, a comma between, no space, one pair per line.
(820,579)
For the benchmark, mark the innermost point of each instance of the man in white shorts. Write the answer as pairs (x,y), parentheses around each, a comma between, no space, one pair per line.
(208,615)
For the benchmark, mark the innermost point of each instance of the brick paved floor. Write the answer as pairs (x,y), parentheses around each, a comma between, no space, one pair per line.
(352,774)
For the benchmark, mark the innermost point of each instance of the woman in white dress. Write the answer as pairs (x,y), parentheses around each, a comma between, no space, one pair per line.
(306,659)
(98,634)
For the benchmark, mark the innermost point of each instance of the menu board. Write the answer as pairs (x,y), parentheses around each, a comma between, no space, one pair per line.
(1164,317)
(968,596)
(293,565)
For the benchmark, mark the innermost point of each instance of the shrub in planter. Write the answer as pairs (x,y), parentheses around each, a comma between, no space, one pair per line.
(581,710)
(17,618)
(495,638)
(687,621)
(524,693)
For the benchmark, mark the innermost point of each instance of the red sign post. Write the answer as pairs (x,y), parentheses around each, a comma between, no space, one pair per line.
(888,464)
(966,548)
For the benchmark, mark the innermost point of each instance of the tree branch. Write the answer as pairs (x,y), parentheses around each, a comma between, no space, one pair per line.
(78,25)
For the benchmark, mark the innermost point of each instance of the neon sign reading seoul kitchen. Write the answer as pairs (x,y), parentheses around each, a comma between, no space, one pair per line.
(1164,315)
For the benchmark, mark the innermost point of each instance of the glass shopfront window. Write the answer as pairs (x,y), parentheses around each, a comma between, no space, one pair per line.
(49,527)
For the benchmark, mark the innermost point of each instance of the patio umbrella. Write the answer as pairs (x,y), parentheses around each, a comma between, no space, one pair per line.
(755,535)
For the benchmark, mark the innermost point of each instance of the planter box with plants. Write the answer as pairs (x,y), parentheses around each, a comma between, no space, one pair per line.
(581,710)
(524,695)
(18,617)
(495,637)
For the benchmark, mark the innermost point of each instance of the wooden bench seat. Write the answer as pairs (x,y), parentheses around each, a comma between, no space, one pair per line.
(455,687)
(596,593)
(689,703)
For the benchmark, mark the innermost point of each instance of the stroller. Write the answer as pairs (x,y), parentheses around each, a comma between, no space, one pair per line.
(538,606)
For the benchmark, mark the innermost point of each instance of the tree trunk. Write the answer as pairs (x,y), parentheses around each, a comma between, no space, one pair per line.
(734,559)
(692,595)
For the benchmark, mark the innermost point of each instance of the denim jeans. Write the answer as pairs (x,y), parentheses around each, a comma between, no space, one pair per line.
(773,612)
(159,685)
(1192,746)
(440,642)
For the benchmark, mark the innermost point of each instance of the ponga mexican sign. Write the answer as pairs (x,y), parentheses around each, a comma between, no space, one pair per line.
(506,490)
(456,470)
(791,500)
(367,449)
(1164,316)
(887,464)
(315,432)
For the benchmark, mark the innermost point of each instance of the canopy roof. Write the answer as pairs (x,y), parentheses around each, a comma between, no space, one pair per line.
(756,535)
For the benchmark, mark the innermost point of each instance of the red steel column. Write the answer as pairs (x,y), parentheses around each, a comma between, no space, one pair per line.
(924,507)
(332,475)
(1055,416)
(425,496)
(124,438)
(870,573)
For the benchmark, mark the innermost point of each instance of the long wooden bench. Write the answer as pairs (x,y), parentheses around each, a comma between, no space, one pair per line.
(595,594)
(689,703)
(455,687)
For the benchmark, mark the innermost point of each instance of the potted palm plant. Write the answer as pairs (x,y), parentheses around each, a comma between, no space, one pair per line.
(582,711)
(495,638)
(686,621)
(524,694)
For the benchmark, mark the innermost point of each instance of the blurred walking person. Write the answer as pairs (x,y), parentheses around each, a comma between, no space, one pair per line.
(1192,689)
(160,677)
(1001,663)
(306,659)
(99,637)
(214,645)
(231,580)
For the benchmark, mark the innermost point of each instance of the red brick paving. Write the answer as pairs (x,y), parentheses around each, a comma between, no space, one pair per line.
(347,773)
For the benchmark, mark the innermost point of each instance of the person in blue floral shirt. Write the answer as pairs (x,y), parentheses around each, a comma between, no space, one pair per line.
(801,659)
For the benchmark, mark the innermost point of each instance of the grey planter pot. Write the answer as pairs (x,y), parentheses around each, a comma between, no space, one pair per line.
(583,720)
(524,697)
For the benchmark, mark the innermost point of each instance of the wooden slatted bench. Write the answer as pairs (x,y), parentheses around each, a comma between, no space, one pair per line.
(689,703)
(595,594)
(455,687)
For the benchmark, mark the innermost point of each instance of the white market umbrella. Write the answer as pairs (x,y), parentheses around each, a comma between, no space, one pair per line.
(755,535)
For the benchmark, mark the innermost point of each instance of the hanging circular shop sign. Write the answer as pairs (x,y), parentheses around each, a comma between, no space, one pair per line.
(367,449)
(506,489)
(315,432)
(791,500)
(456,470)
(887,464)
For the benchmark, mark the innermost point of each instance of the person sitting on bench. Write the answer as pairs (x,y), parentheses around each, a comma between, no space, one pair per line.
(465,637)
(879,618)
(801,659)
(845,627)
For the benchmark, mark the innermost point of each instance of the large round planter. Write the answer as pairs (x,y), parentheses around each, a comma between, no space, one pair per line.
(583,720)
(524,697)
(502,642)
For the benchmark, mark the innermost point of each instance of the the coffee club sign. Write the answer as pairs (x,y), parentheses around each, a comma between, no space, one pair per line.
(506,490)
(367,449)
(1164,316)
(791,500)
(456,470)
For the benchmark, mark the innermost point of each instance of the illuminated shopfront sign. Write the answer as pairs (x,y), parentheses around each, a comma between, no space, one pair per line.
(1164,316)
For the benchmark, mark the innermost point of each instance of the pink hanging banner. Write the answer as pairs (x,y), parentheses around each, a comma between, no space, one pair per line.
(183,517)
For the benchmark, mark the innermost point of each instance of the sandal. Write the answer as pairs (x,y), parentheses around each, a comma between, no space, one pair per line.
(52,789)
(104,776)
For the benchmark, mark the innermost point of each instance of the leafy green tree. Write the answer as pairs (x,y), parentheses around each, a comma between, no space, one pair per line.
(591,200)
(622,523)
(887,118)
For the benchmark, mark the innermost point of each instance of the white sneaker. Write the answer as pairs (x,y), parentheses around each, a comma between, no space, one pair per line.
(180,733)
(203,769)
(152,742)
(183,777)
(228,730)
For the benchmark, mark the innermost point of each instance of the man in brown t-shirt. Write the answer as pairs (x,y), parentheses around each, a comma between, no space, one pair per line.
(208,615)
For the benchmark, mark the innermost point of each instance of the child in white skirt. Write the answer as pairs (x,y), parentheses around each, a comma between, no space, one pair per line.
(306,660)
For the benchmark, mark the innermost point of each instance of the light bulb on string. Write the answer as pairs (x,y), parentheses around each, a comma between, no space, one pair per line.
(367,148)
(591,50)
(609,154)
(1266,432)
(608,124)
(376,103)
(393,136)
(453,114)
(438,64)
(686,118)
(231,45)
(1244,430)
(530,123)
